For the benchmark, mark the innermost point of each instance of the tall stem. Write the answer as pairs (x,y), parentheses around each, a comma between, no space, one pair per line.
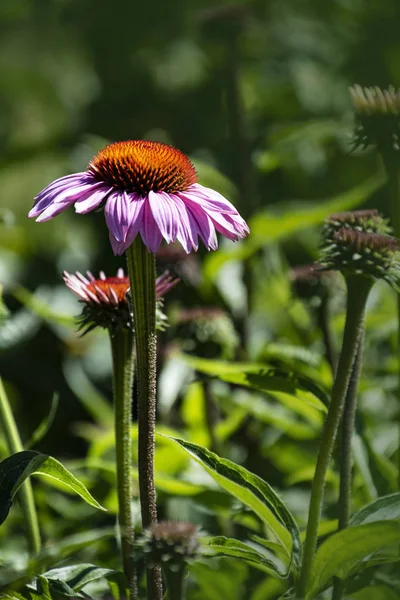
(142,276)
(175,583)
(393,174)
(346,436)
(357,293)
(323,323)
(25,493)
(123,365)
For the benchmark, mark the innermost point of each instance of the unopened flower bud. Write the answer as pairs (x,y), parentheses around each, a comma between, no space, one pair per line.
(366,254)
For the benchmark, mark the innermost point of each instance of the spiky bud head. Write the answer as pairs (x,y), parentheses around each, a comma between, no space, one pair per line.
(371,255)
(170,544)
(378,117)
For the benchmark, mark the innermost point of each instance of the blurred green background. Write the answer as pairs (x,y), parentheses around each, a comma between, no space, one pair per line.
(257,95)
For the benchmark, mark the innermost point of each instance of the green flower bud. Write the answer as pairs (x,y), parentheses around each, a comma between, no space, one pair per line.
(366,254)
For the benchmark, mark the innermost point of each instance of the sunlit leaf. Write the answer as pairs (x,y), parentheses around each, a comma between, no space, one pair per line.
(344,551)
(18,467)
(252,491)
(223,546)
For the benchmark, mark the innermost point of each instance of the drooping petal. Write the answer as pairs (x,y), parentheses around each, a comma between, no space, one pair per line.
(92,199)
(211,198)
(205,226)
(165,214)
(149,230)
(117,212)
(67,180)
(58,200)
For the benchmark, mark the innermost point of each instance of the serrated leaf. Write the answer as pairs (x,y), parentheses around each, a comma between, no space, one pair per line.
(344,551)
(18,467)
(223,546)
(382,509)
(253,492)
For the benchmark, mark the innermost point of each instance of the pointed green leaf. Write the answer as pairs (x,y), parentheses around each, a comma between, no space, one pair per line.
(77,576)
(382,509)
(223,546)
(344,551)
(18,467)
(252,491)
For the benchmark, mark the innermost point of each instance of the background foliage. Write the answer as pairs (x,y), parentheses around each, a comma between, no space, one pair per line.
(256,94)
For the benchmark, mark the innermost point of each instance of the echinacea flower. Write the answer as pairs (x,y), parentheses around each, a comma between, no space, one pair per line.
(106,299)
(146,188)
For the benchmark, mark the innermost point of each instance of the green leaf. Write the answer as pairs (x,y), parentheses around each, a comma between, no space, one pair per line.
(18,467)
(344,551)
(223,546)
(264,378)
(382,509)
(255,493)
(77,576)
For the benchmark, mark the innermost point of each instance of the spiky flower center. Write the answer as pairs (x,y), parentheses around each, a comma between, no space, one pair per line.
(143,166)
(114,288)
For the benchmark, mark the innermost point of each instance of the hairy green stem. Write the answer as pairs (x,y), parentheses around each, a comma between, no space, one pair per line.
(357,294)
(142,276)
(322,314)
(25,493)
(123,366)
(392,168)
(345,458)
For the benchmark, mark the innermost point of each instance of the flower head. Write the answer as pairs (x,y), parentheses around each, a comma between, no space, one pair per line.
(170,543)
(146,188)
(378,117)
(366,254)
(106,299)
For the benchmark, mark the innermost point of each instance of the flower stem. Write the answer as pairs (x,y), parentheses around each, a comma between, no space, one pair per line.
(346,436)
(393,176)
(322,314)
(358,288)
(123,365)
(175,583)
(25,493)
(141,267)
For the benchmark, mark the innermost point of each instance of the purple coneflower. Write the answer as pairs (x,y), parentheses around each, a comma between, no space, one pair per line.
(106,302)
(146,188)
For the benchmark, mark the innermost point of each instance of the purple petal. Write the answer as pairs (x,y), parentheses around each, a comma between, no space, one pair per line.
(165,214)
(209,197)
(67,180)
(137,205)
(91,200)
(149,230)
(205,226)
(117,214)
